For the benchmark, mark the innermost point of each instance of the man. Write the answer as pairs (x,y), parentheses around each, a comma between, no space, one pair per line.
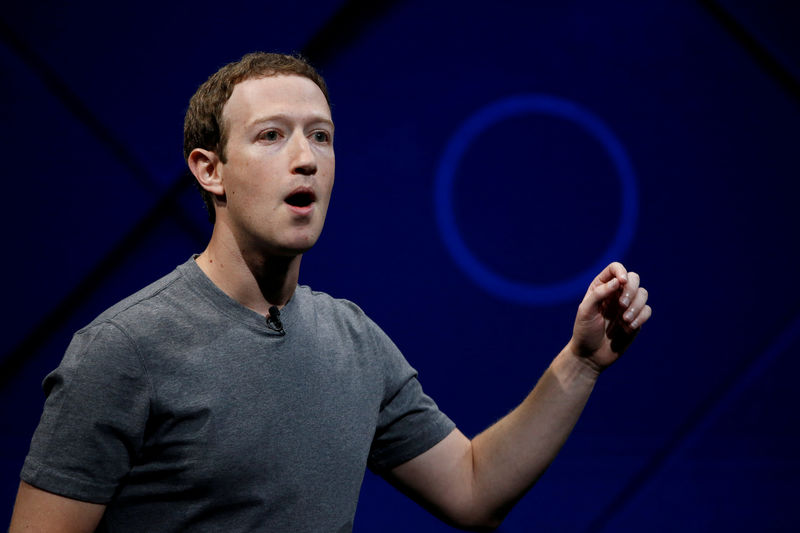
(224,397)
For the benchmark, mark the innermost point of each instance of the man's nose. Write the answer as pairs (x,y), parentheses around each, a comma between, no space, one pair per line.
(303,159)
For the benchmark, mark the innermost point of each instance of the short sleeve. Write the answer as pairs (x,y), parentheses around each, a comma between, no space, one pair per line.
(93,423)
(409,422)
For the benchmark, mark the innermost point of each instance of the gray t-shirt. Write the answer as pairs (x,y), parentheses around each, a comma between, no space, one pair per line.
(183,411)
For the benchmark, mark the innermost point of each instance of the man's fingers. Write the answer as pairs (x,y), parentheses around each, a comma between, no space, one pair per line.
(631,297)
(633,314)
(596,295)
(641,318)
(614,270)
(630,289)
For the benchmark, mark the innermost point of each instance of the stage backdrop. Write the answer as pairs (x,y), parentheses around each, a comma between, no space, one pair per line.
(491,157)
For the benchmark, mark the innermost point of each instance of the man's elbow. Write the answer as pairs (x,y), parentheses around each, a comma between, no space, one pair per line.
(482,525)
(474,519)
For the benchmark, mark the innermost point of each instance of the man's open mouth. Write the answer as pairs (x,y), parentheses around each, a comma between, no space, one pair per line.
(301,198)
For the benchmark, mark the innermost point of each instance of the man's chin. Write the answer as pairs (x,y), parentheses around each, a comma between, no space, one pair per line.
(294,248)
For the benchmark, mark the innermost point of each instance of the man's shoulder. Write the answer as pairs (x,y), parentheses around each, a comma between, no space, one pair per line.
(327,307)
(146,302)
(322,300)
(336,316)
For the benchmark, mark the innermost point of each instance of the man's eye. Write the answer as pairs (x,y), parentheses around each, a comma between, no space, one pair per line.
(269,135)
(321,136)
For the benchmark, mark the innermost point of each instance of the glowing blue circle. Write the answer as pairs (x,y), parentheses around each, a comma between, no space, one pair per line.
(491,281)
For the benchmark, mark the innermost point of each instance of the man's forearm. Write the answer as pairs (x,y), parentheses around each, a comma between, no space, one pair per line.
(512,454)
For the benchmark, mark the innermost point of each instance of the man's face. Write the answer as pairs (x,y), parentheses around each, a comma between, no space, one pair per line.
(280,164)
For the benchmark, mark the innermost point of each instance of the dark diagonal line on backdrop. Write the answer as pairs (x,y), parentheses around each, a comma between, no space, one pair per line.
(699,422)
(98,130)
(74,105)
(343,28)
(754,48)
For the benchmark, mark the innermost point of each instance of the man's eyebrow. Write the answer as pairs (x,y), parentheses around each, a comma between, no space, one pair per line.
(311,119)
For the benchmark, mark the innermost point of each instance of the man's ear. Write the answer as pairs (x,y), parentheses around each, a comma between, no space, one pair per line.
(204,164)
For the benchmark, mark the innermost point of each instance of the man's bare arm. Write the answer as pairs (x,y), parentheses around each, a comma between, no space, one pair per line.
(44,512)
(474,484)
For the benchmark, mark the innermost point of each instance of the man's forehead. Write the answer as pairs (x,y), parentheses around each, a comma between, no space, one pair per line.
(285,95)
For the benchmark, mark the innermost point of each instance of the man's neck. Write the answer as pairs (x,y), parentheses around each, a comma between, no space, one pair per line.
(257,281)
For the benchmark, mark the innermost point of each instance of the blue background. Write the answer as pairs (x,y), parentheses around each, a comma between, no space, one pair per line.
(695,430)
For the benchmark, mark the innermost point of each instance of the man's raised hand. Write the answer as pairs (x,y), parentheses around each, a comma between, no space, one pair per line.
(609,317)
